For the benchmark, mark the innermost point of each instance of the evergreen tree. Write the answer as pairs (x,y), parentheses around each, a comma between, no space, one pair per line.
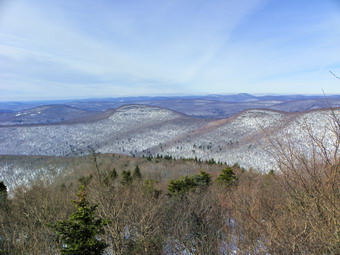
(150,189)
(227,177)
(181,186)
(189,183)
(113,174)
(202,179)
(3,194)
(80,233)
(126,177)
(137,173)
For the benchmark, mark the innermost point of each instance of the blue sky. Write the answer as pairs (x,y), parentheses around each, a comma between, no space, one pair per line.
(60,49)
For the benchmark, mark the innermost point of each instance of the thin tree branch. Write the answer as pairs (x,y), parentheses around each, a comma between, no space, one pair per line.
(334,75)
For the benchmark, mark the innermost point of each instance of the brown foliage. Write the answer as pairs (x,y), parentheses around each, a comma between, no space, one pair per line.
(292,211)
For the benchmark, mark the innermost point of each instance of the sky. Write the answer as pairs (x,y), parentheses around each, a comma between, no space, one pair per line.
(63,49)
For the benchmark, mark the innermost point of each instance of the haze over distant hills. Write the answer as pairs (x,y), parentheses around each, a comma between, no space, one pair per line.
(210,106)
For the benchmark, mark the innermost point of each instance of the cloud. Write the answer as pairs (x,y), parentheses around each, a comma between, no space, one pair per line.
(277,50)
(111,47)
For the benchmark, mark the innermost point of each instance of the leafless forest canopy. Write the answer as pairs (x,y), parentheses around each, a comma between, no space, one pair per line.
(260,182)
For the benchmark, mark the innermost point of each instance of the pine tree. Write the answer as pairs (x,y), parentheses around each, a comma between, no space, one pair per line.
(227,177)
(80,233)
(202,179)
(137,173)
(3,194)
(181,186)
(113,174)
(189,183)
(126,177)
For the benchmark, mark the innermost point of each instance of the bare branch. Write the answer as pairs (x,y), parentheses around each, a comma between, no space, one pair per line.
(334,75)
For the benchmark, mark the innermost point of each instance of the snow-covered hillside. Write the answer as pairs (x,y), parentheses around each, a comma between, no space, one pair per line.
(128,129)
(143,130)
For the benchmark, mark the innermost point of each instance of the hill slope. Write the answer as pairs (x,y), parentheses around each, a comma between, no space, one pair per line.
(128,128)
(46,114)
(144,130)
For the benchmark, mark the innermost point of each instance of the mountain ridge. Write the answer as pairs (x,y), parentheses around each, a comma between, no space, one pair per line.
(204,106)
(147,130)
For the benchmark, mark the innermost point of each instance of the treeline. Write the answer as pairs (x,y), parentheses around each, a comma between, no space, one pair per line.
(211,161)
(232,211)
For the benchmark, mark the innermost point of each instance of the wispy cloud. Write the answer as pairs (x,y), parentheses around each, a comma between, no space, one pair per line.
(71,48)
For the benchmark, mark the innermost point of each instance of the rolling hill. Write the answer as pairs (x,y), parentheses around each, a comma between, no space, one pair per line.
(144,130)
(204,106)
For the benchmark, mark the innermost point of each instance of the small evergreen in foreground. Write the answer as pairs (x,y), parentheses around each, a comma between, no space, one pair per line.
(80,233)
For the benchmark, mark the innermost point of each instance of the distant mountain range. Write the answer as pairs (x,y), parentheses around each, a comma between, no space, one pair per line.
(228,128)
(210,106)
(147,130)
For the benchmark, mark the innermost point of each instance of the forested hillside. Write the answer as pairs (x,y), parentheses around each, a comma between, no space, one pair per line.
(138,130)
(166,206)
